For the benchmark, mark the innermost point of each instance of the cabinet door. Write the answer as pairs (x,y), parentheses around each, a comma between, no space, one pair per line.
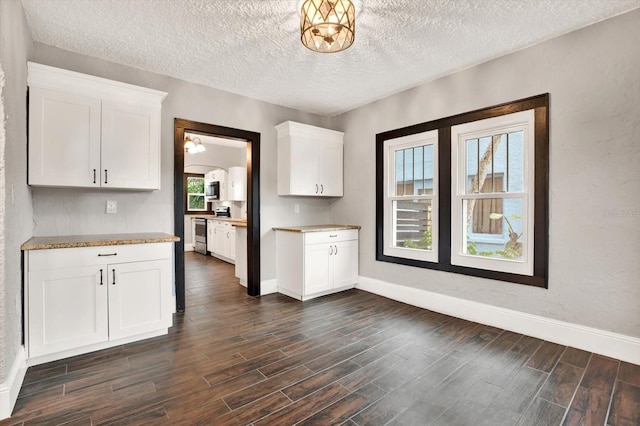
(67,309)
(345,263)
(231,245)
(330,170)
(237,190)
(304,168)
(210,242)
(317,278)
(130,146)
(138,298)
(64,139)
(219,239)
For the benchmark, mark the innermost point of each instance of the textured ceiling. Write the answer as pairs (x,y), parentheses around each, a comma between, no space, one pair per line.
(252,47)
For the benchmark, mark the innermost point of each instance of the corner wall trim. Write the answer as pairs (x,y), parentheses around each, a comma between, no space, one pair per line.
(10,388)
(268,287)
(590,339)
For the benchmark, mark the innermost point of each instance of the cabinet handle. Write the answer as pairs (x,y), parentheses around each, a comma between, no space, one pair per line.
(336,249)
(227,235)
(316,188)
(94,175)
(114,276)
(333,236)
(107,254)
(330,250)
(105,176)
(321,188)
(100,276)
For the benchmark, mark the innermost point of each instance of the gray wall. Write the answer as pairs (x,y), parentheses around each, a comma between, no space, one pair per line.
(80,211)
(16,47)
(592,76)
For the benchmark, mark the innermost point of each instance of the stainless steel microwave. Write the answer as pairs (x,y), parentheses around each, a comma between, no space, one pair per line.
(212,190)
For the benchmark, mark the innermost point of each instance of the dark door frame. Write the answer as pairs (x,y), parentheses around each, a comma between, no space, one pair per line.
(253,200)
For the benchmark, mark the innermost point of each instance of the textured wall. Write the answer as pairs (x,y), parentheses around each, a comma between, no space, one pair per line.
(81,211)
(15,48)
(592,77)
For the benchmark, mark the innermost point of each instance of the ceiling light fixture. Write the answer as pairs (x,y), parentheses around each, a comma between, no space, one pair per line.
(327,26)
(193,146)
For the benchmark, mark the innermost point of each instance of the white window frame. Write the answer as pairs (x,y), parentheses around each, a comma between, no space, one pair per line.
(521,121)
(196,194)
(390,147)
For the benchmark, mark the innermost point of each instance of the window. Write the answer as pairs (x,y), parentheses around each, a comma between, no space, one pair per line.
(468,193)
(195,194)
(411,201)
(492,179)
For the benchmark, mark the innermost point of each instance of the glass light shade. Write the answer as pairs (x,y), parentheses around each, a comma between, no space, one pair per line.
(327,26)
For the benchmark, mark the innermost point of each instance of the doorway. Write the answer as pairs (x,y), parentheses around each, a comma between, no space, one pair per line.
(253,200)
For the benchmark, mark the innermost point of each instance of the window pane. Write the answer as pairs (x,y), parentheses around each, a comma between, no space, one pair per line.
(195,185)
(400,172)
(413,227)
(483,209)
(414,170)
(515,147)
(196,202)
(509,246)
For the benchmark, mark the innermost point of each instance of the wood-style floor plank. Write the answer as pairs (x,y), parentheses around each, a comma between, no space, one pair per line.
(351,358)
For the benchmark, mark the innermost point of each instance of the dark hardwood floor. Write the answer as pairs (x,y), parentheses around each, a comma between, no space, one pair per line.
(352,358)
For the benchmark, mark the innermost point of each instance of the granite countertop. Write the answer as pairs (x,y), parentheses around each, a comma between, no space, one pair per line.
(70,241)
(220,218)
(240,224)
(316,228)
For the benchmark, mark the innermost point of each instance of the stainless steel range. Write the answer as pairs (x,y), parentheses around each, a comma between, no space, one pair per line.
(200,243)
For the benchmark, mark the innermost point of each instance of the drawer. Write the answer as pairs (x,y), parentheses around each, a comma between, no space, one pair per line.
(330,236)
(86,256)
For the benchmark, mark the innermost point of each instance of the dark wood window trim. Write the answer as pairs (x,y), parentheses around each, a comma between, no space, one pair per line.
(540,105)
(188,212)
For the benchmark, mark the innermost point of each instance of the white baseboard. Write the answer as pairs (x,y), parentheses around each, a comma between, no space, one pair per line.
(188,247)
(10,388)
(268,287)
(590,339)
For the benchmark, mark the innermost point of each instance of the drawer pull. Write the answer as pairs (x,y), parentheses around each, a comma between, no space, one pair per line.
(94,175)
(114,276)
(108,254)
(333,236)
(106,176)
(100,276)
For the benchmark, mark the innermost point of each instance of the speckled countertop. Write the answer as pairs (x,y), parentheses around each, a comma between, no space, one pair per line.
(316,228)
(220,218)
(239,224)
(70,241)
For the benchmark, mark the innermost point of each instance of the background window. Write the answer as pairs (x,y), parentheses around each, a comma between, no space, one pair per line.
(195,194)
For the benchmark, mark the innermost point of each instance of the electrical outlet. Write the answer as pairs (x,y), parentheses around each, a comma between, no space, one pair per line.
(112,206)
(296,208)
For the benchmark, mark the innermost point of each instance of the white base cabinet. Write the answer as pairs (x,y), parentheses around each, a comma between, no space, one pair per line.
(82,299)
(221,240)
(312,264)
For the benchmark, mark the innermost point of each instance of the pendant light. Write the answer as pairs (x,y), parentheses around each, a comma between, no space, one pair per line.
(327,26)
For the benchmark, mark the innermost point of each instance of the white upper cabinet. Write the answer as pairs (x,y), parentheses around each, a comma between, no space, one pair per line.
(237,186)
(86,131)
(310,160)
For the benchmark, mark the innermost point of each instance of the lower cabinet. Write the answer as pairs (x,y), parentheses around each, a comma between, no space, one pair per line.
(312,264)
(84,299)
(221,241)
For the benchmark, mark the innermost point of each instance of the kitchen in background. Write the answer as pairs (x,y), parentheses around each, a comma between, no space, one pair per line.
(215,188)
